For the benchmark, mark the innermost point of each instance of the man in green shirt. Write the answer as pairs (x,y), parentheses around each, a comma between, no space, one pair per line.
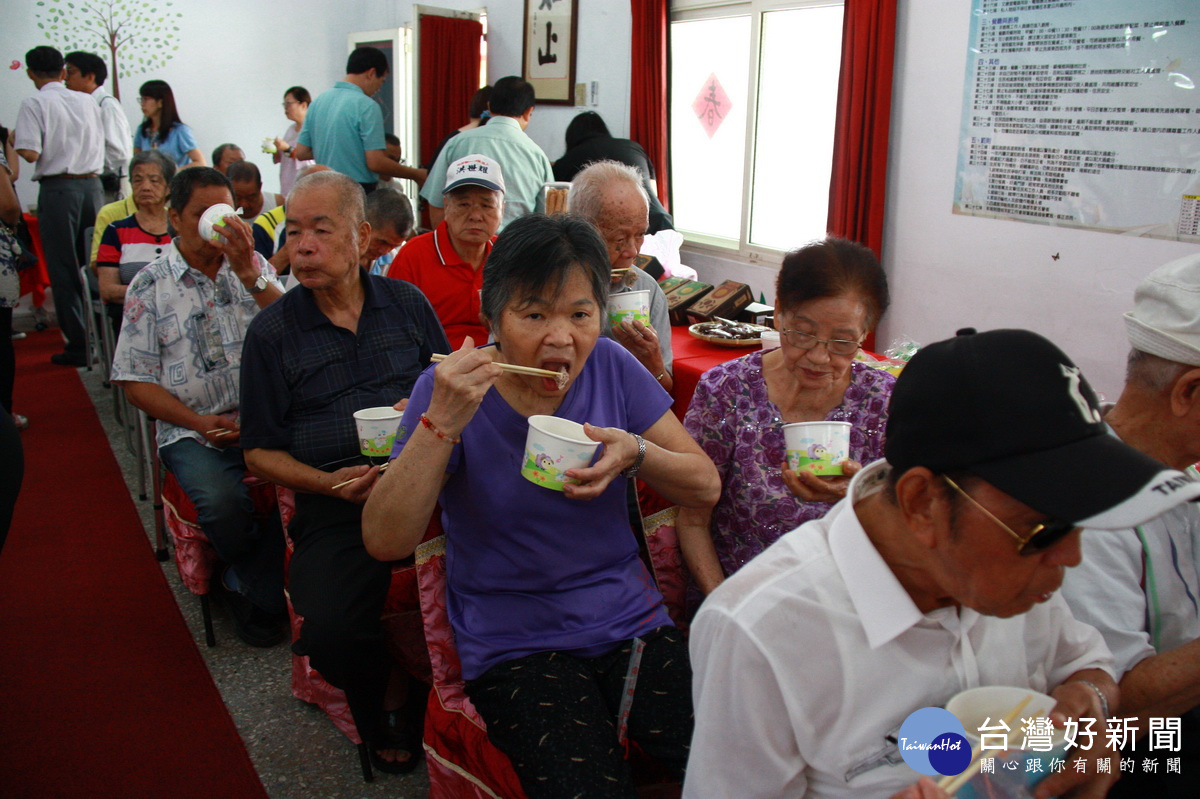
(526,168)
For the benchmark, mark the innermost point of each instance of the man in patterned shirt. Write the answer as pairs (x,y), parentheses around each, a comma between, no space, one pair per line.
(339,342)
(178,359)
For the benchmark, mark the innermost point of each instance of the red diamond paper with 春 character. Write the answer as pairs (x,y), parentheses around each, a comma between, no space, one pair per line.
(711,105)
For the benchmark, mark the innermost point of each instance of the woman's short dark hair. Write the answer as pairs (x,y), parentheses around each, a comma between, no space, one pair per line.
(188,180)
(587,125)
(299,94)
(833,267)
(479,102)
(538,251)
(160,90)
(158,159)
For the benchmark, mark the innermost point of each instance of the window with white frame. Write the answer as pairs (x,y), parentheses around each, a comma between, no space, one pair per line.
(753,104)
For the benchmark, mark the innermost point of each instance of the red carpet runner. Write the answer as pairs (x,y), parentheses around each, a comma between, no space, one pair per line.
(102,690)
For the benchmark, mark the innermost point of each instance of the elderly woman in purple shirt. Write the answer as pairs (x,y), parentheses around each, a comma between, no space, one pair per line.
(551,606)
(829,294)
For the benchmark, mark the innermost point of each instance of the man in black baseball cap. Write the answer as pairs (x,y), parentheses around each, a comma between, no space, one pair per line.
(938,572)
(1011,408)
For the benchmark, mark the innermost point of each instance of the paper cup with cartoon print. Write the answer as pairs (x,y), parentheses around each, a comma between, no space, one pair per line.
(817,447)
(214,217)
(1029,738)
(377,430)
(552,446)
(628,306)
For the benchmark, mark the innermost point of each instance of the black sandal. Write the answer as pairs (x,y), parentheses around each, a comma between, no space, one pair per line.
(404,730)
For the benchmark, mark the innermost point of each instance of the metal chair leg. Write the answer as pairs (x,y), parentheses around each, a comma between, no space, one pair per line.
(206,612)
(149,460)
(92,342)
(364,759)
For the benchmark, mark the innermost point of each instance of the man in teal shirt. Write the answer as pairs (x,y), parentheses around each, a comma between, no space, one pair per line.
(526,168)
(344,127)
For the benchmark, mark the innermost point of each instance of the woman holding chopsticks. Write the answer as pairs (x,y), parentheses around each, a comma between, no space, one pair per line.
(541,581)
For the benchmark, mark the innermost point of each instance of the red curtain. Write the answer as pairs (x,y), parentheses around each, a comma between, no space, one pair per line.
(859,180)
(449,71)
(648,77)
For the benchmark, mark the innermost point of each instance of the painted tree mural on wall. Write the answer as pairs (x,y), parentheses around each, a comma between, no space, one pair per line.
(138,35)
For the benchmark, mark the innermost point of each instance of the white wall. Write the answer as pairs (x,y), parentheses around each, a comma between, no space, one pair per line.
(236,59)
(234,62)
(604,31)
(949,271)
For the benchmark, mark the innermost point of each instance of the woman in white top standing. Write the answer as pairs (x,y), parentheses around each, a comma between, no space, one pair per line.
(295,107)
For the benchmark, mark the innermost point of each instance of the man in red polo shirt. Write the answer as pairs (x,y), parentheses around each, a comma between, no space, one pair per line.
(447,264)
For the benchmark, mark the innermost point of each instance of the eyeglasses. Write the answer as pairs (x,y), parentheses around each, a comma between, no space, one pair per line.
(1041,536)
(286,103)
(806,341)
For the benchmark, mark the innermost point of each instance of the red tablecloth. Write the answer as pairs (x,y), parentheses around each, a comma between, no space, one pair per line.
(693,357)
(37,279)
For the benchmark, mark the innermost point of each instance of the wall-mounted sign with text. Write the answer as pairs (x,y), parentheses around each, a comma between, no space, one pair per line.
(1083,114)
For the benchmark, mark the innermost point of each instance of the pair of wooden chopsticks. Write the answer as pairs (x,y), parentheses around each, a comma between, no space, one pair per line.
(512,367)
(951,784)
(220,431)
(382,468)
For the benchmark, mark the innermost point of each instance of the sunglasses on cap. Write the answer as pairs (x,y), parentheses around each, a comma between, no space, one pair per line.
(1041,537)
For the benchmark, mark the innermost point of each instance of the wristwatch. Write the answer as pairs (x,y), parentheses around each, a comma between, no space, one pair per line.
(260,285)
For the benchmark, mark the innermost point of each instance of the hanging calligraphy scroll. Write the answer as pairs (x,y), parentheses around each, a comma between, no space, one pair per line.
(550,49)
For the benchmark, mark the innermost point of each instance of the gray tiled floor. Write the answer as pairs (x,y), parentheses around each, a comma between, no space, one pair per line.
(298,752)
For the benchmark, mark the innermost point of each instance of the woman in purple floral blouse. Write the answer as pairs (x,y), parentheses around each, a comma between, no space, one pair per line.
(829,294)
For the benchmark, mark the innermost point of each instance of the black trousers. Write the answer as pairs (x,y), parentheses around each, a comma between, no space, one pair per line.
(555,716)
(8,360)
(340,590)
(12,471)
(66,206)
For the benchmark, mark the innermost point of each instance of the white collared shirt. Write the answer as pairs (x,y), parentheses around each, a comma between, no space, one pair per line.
(118,141)
(1142,598)
(813,652)
(185,332)
(65,128)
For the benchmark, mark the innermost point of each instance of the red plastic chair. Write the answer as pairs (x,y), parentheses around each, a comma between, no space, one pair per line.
(195,557)
(402,630)
(462,762)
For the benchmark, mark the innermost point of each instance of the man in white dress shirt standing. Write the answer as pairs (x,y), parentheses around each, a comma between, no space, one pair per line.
(937,573)
(86,72)
(61,133)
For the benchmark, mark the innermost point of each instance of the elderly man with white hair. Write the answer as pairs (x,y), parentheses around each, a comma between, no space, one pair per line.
(1141,587)
(339,342)
(610,196)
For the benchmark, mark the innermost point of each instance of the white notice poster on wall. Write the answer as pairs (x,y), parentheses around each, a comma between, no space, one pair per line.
(1084,113)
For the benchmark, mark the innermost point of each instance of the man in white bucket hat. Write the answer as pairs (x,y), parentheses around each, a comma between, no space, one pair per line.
(1140,586)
